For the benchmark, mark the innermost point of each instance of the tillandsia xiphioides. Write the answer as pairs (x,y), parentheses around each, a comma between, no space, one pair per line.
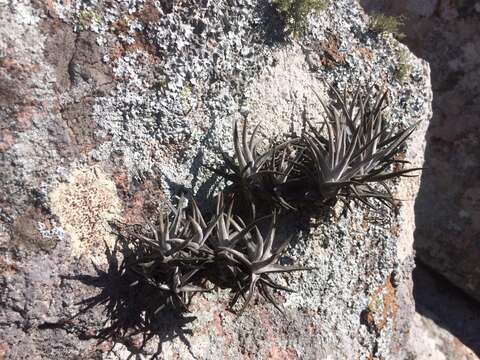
(174,252)
(255,262)
(350,156)
(230,232)
(354,149)
(244,260)
(182,251)
(254,177)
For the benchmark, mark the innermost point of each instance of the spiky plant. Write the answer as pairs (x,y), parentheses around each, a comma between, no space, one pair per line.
(357,150)
(350,156)
(285,179)
(255,262)
(177,234)
(174,252)
(230,232)
(250,174)
(178,288)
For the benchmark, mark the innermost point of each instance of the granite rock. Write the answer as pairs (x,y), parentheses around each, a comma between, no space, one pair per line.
(448,207)
(109,108)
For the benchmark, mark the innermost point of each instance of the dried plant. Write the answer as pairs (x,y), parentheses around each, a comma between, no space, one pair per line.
(356,151)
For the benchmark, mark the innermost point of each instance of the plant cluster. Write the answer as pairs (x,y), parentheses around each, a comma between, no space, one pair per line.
(182,251)
(382,24)
(351,156)
(294,12)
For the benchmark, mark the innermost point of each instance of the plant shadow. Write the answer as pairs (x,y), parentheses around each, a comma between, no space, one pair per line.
(134,315)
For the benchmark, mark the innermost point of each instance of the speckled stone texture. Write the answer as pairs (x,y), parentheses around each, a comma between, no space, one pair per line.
(448,207)
(109,108)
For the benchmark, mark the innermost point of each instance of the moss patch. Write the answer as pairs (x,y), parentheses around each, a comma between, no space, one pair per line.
(295,12)
(383,24)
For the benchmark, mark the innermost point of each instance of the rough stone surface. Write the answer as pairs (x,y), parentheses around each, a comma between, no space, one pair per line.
(433,342)
(447,322)
(109,108)
(448,207)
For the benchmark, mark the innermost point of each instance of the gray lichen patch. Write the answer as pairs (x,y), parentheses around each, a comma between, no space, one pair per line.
(352,259)
(84,205)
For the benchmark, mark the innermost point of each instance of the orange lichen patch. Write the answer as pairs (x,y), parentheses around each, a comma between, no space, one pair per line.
(149,13)
(390,306)
(134,213)
(395,229)
(24,117)
(365,221)
(4,236)
(398,166)
(382,307)
(6,140)
(330,55)
(311,328)
(120,178)
(84,205)
(116,52)
(217,322)
(7,268)
(3,350)
(146,15)
(141,202)
(276,353)
(365,53)
(12,65)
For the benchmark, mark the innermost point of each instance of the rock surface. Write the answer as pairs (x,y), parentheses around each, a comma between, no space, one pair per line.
(448,207)
(447,322)
(109,108)
(433,342)
(447,214)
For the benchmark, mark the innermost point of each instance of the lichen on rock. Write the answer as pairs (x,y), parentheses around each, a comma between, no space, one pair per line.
(84,205)
(159,98)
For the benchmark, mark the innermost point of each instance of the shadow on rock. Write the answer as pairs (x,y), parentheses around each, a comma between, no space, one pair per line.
(447,306)
(446,208)
(272,25)
(134,312)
